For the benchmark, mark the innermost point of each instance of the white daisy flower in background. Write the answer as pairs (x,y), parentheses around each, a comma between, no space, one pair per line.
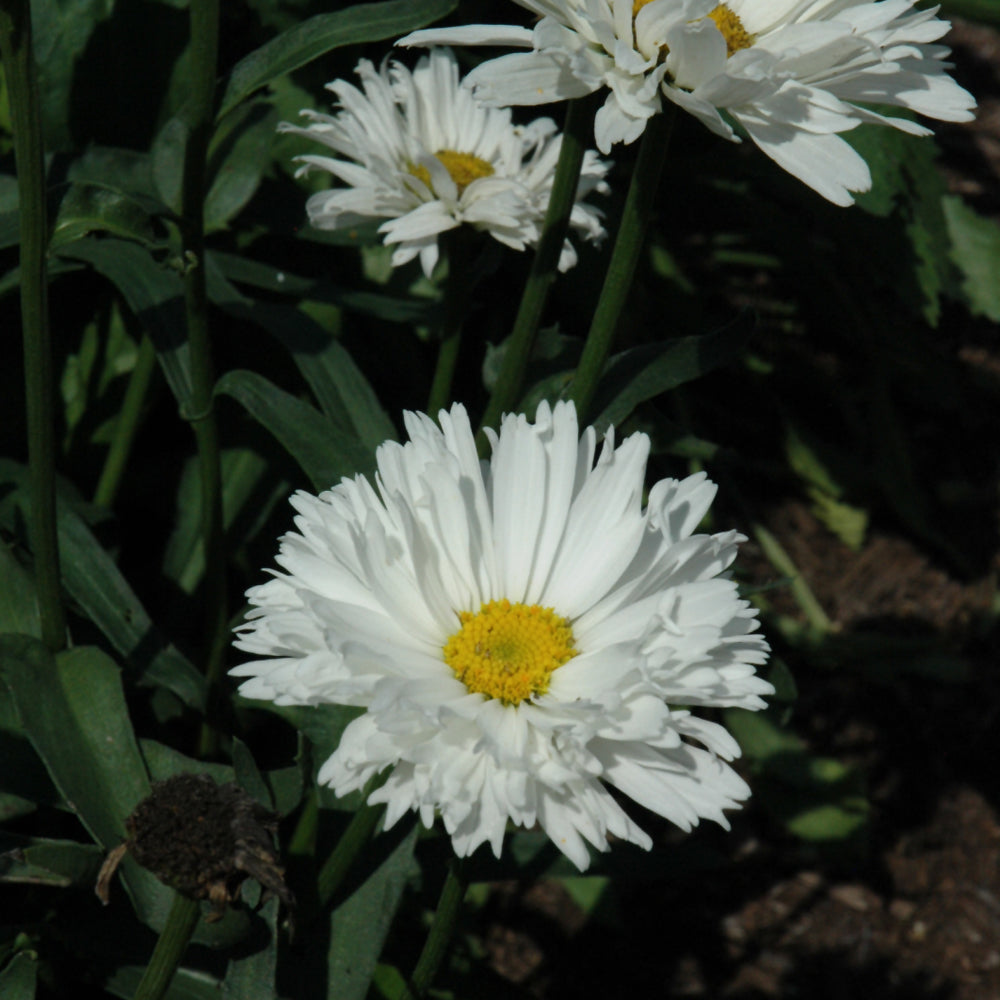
(417,150)
(521,633)
(792,73)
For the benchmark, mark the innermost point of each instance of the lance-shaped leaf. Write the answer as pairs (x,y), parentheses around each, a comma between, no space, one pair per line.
(364,22)
(641,373)
(324,452)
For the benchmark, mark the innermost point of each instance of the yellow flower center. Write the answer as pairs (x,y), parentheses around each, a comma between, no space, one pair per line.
(463,168)
(508,651)
(737,37)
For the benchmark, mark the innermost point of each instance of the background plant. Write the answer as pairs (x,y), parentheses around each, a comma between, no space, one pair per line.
(782,343)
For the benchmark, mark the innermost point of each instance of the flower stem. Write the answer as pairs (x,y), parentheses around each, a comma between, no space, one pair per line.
(457,293)
(352,840)
(544,267)
(170,948)
(199,115)
(436,946)
(22,87)
(636,214)
(127,425)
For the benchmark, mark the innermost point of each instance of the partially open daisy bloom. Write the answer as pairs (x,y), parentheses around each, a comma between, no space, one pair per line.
(419,151)
(792,73)
(521,633)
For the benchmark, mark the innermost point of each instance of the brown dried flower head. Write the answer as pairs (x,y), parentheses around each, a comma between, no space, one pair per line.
(203,840)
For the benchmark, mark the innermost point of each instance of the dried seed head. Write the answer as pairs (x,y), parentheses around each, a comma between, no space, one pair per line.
(202,839)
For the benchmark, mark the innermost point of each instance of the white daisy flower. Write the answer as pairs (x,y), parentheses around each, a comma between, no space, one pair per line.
(792,73)
(416,149)
(521,633)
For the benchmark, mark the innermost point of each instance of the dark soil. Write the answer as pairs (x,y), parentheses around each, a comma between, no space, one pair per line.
(915,911)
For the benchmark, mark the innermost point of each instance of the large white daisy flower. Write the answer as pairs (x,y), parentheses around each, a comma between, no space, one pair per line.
(521,633)
(792,73)
(416,149)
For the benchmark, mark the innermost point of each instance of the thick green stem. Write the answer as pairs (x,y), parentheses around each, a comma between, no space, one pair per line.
(545,265)
(436,946)
(636,214)
(170,948)
(22,88)
(199,115)
(127,425)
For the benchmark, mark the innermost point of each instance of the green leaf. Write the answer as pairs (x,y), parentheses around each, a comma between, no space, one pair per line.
(155,296)
(17,978)
(62,32)
(815,798)
(340,387)
(361,922)
(245,475)
(975,248)
(365,22)
(74,713)
(644,372)
(87,208)
(323,452)
(122,171)
(96,584)
(831,822)
(18,600)
(248,775)
(39,861)
(238,157)
(164,762)
(168,162)
(251,977)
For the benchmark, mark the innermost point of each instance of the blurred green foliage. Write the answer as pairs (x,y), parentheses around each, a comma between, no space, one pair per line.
(793,348)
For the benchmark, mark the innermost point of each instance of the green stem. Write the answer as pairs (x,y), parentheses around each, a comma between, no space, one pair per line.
(456,249)
(636,214)
(199,115)
(353,839)
(170,948)
(22,88)
(436,946)
(544,267)
(127,425)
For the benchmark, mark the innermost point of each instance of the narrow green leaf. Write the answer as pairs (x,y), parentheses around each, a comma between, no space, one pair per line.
(365,22)
(361,922)
(154,294)
(639,374)
(18,977)
(322,452)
